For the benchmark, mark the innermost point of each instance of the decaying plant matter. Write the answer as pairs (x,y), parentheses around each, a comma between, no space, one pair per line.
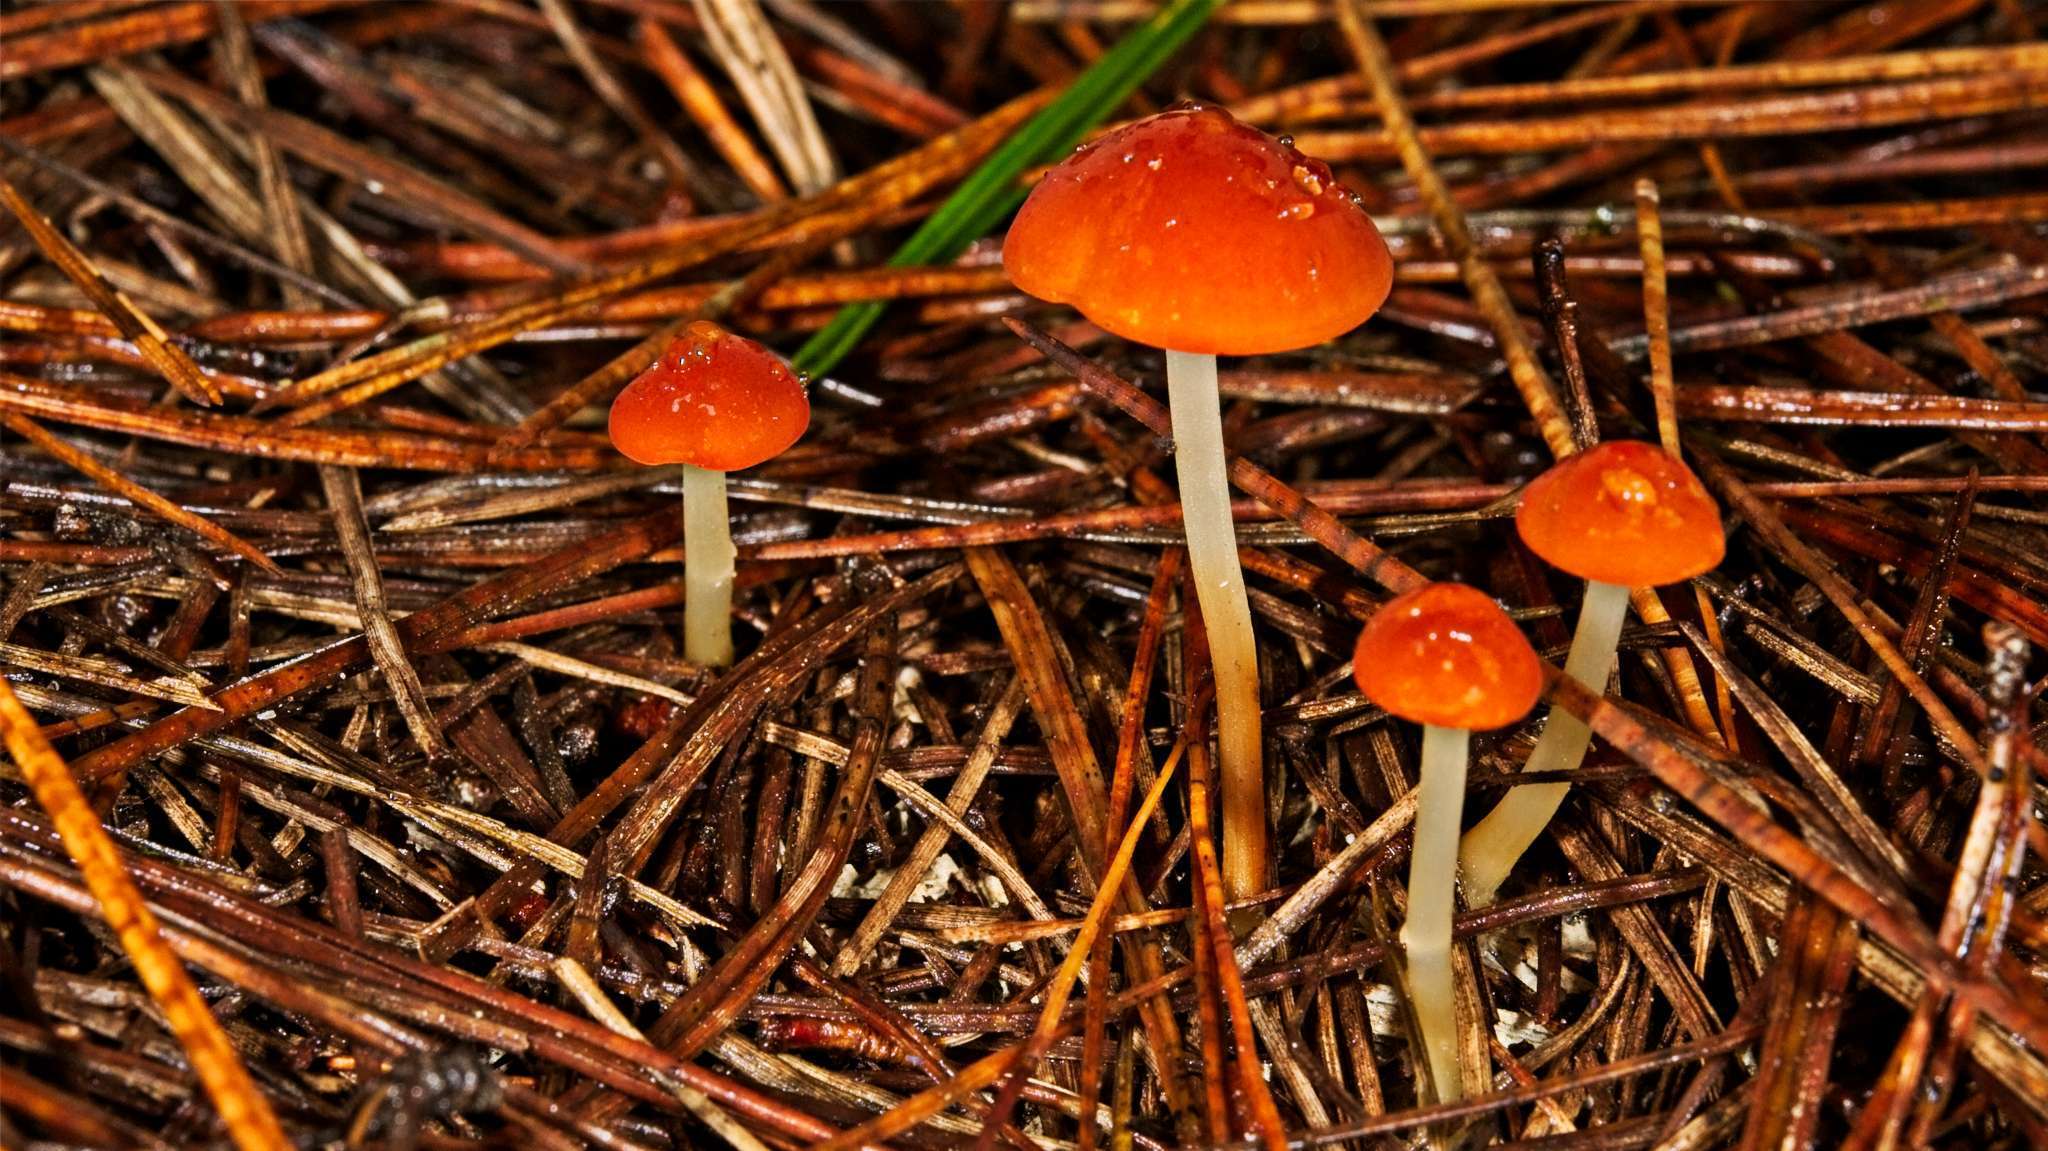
(359,790)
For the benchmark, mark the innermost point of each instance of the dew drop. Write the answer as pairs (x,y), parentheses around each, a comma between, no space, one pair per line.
(1307,181)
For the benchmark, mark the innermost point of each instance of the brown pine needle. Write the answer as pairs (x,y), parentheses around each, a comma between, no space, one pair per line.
(928,846)
(335,153)
(1029,639)
(176,368)
(1212,932)
(1811,564)
(84,463)
(1539,394)
(285,222)
(242,436)
(1368,558)
(244,1110)
(701,102)
(1885,918)
(416,247)
(1657,312)
(1912,102)
(887,184)
(1021,1059)
(345,505)
(738,33)
(614,94)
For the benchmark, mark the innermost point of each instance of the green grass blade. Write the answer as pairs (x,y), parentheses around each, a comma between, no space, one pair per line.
(992,192)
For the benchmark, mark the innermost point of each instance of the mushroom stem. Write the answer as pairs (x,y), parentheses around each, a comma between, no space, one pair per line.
(1432,876)
(1495,843)
(707,569)
(1226,614)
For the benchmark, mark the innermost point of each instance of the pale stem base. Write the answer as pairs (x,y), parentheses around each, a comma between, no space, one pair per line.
(1496,842)
(1432,891)
(1226,614)
(707,569)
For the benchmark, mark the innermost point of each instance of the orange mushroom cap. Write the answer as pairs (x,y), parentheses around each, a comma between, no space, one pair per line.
(713,400)
(1445,654)
(1623,512)
(1193,232)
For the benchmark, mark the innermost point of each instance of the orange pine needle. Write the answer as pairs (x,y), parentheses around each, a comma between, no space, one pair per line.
(247,1114)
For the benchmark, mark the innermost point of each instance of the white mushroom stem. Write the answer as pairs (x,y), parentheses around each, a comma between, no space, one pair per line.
(707,569)
(1494,844)
(1432,890)
(1226,614)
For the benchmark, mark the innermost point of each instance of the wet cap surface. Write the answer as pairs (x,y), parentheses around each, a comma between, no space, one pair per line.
(1623,512)
(1446,654)
(1194,232)
(713,400)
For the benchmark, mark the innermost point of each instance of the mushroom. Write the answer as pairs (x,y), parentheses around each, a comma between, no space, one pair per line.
(1447,657)
(715,403)
(1621,515)
(1194,233)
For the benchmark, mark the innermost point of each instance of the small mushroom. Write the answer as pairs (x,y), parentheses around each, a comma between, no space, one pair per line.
(1620,515)
(1447,657)
(1194,233)
(715,403)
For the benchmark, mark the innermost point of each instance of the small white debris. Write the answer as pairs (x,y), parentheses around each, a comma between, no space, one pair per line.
(1512,1027)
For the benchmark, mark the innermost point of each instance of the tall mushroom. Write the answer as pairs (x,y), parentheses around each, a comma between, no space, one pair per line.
(1621,515)
(715,403)
(1194,233)
(1447,657)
